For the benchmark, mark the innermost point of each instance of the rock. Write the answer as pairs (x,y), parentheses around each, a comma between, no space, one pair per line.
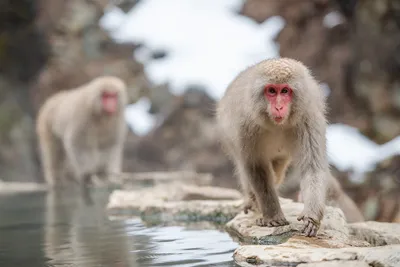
(286,255)
(335,264)
(20,187)
(177,202)
(332,234)
(134,180)
(186,139)
(337,243)
(376,233)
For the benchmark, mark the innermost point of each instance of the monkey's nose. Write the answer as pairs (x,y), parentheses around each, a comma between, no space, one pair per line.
(278,108)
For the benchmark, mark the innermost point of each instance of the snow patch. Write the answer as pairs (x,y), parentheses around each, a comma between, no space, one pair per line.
(332,19)
(349,150)
(138,117)
(206,41)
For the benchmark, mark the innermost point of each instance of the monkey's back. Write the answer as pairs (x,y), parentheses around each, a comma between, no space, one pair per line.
(61,109)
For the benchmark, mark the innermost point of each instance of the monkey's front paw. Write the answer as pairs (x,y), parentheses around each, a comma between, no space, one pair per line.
(311,225)
(272,222)
(247,207)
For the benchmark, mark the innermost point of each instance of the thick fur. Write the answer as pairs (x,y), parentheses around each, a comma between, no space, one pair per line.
(76,136)
(262,151)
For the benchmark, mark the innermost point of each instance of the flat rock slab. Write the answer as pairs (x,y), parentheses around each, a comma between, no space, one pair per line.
(177,202)
(21,187)
(140,179)
(377,233)
(332,234)
(285,255)
(335,264)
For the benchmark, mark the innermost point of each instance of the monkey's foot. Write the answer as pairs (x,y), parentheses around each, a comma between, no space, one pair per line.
(310,227)
(279,220)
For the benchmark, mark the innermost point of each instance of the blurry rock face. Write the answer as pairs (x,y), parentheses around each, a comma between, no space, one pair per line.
(378,196)
(81,50)
(23,53)
(185,140)
(353,47)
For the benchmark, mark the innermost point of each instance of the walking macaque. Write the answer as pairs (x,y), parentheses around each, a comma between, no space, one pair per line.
(82,131)
(272,116)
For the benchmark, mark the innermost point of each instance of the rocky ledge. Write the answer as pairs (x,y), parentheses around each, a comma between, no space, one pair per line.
(337,243)
(177,202)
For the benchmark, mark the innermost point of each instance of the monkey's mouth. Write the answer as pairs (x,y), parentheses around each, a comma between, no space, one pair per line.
(278,119)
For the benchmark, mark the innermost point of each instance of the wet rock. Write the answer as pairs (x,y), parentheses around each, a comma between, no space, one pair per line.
(287,255)
(335,264)
(332,234)
(135,180)
(177,202)
(20,187)
(337,243)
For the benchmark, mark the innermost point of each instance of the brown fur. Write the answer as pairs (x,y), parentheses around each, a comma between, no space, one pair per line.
(76,136)
(256,144)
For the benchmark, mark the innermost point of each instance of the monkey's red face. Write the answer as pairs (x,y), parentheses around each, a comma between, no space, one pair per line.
(109,101)
(279,97)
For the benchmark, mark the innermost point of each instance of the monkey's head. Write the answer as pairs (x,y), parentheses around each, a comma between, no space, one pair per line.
(282,88)
(279,97)
(110,95)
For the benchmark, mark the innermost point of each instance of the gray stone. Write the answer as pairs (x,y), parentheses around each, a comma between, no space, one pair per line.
(170,202)
(335,264)
(332,234)
(376,233)
(287,255)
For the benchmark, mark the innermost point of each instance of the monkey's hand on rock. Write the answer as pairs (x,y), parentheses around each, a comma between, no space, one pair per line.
(311,225)
(278,220)
(249,204)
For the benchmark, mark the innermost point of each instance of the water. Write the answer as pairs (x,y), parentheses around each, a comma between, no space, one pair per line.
(48,229)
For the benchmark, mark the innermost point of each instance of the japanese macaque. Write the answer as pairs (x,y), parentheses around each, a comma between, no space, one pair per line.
(272,116)
(81,131)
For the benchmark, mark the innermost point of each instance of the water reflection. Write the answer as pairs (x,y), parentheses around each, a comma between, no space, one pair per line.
(62,229)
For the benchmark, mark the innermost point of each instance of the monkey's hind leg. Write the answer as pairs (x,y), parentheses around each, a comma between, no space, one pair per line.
(249,202)
(52,157)
(262,182)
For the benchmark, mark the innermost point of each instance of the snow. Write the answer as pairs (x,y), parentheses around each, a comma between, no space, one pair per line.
(349,150)
(207,43)
(326,89)
(332,19)
(138,118)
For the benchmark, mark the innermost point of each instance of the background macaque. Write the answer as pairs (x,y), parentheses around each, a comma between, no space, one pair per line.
(82,131)
(272,116)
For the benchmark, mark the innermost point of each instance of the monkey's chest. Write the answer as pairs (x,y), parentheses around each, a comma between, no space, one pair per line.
(276,146)
(99,138)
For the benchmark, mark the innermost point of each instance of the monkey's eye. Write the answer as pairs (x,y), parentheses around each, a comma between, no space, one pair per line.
(284,91)
(272,90)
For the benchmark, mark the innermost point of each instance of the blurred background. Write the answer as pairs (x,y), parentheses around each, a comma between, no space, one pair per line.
(178,56)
